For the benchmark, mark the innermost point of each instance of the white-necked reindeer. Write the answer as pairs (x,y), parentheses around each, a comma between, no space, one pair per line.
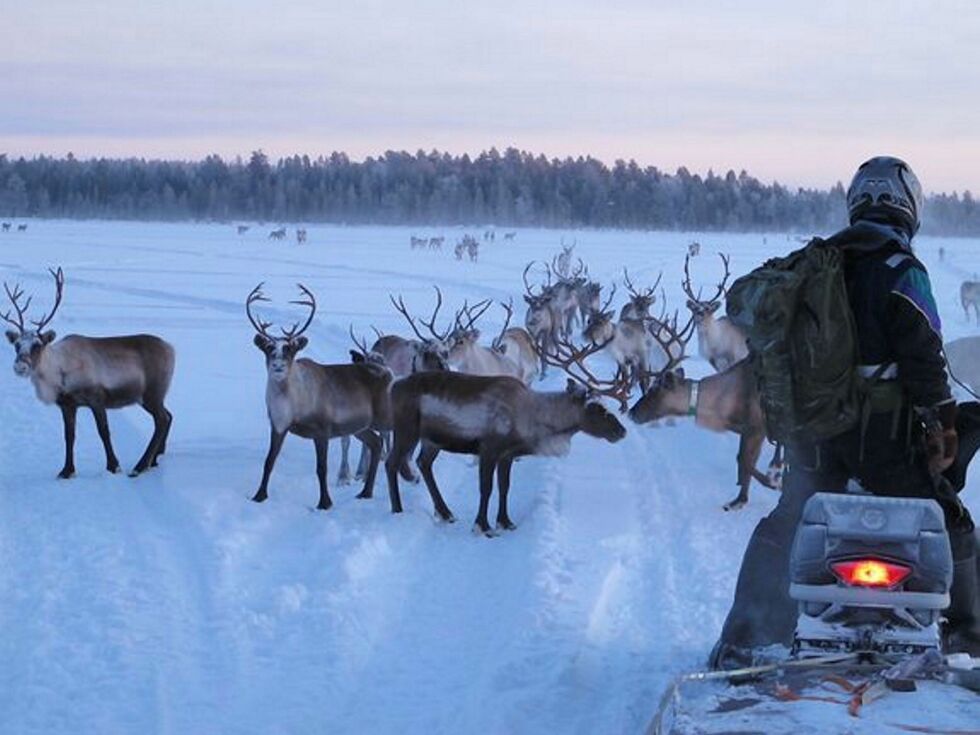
(96,372)
(628,342)
(512,352)
(720,342)
(497,419)
(564,294)
(316,401)
(726,401)
(541,319)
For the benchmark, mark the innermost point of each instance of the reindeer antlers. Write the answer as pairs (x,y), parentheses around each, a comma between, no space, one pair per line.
(571,360)
(18,292)
(262,327)
(646,292)
(403,310)
(686,283)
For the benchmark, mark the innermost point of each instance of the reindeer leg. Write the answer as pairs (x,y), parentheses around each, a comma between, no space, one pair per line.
(425,460)
(275,444)
(161,425)
(163,441)
(503,487)
(487,465)
(343,477)
(68,411)
(102,425)
(401,450)
(322,444)
(363,460)
(370,441)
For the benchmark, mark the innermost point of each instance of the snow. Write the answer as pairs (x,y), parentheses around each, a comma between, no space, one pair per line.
(170,603)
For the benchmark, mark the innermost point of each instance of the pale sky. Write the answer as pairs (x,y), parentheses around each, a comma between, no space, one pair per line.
(801,92)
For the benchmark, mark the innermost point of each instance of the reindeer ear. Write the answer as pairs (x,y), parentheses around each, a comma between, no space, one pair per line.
(300,342)
(48,337)
(262,342)
(679,372)
(713,307)
(528,299)
(12,336)
(356,357)
(691,304)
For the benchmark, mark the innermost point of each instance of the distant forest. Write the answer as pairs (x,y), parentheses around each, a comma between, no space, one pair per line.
(508,189)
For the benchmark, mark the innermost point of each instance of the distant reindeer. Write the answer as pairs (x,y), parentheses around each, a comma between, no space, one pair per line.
(418,242)
(316,401)
(726,401)
(97,372)
(638,307)
(495,418)
(435,243)
(541,320)
(300,236)
(564,261)
(459,250)
(942,253)
(588,295)
(970,297)
(22,228)
(279,234)
(473,249)
(242,229)
(694,248)
(510,235)
(720,342)
(6,227)
(564,295)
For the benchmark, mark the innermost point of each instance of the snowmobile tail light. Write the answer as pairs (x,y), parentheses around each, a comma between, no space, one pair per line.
(869,572)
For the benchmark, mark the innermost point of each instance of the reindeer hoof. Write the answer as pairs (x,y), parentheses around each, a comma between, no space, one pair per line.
(507,525)
(114,469)
(259,497)
(446,517)
(734,504)
(343,479)
(66,473)
(134,473)
(324,506)
(364,495)
(485,530)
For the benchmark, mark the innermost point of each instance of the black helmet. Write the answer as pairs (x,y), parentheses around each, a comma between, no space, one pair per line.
(885,189)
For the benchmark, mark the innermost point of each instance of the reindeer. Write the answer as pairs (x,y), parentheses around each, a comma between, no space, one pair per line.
(564,295)
(279,234)
(97,372)
(509,236)
(435,243)
(694,248)
(473,249)
(629,343)
(726,401)
(588,294)
(564,262)
(720,342)
(459,250)
(970,297)
(468,356)
(242,229)
(638,307)
(22,228)
(496,418)
(541,319)
(6,227)
(418,242)
(300,236)
(318,401)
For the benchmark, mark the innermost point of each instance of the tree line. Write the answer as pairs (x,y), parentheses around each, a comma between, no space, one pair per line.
(509,188)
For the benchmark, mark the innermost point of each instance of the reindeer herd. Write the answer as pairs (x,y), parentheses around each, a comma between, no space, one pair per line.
(445,389)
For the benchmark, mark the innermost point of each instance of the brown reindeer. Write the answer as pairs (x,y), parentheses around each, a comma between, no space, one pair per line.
(726,401)
(720,342)
(496,418)
(96,372)
(316,401)
(300,236)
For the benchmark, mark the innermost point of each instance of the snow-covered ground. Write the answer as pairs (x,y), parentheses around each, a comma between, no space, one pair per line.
(172,604)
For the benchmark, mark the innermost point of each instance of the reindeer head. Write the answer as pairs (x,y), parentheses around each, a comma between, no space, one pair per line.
(597,420)
(700,308)
(666,397)
(640,301)
(280,351)
(433,351)
(465,334)
(599,328)
(28,343)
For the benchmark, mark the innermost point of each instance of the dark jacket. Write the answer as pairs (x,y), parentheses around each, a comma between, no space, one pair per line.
(894,310)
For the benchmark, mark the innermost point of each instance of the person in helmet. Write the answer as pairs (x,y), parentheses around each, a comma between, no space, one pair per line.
(909,439)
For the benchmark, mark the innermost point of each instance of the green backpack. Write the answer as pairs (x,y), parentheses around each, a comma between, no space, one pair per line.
(802,342)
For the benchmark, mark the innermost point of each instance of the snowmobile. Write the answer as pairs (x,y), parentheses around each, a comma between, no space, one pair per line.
(871,576)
